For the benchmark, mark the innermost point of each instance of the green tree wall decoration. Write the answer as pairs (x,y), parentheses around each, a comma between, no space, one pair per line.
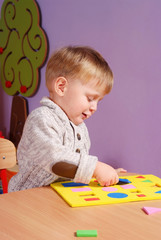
(23,47)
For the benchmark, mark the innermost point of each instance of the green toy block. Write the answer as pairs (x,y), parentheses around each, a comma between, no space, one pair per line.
(86,233)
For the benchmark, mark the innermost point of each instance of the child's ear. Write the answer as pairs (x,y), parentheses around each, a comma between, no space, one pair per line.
(61,84)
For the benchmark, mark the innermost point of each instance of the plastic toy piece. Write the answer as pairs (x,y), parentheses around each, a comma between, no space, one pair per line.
(140,177)
(117,195)
(151,210)
(73,184)
(91,199)
(123,180)
(141,195)
(129,186)
(81,189)
(147,181)
(109,189)
(86,233)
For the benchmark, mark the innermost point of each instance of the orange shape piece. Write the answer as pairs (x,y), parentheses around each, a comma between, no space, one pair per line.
(141,195)
(91,199)
(140,177)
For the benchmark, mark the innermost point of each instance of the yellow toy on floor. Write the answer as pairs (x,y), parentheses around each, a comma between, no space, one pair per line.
(129,189)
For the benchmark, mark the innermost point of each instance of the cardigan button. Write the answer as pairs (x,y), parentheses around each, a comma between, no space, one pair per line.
(77,150)
(78,136)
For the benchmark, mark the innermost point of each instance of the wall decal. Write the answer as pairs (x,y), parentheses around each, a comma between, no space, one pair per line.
(23,47)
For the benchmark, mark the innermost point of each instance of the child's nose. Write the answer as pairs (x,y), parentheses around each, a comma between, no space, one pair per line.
(93,106)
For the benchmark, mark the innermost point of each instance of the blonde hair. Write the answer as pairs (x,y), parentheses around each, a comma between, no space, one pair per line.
(79,62)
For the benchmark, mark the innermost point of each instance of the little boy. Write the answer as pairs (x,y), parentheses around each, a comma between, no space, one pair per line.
(55,142)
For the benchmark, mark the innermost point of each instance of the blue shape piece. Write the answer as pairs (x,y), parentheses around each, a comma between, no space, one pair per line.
(158,191)
(73,184)
(123,180)
(117,195)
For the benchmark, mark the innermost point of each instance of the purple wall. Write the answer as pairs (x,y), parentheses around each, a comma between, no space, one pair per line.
(126,129)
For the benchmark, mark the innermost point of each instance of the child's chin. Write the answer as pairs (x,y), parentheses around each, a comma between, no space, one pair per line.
(78,122)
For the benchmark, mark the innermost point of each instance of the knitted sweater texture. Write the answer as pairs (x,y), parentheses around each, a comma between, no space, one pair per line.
(49,137)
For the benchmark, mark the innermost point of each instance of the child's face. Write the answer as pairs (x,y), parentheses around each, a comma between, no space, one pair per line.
(80,101)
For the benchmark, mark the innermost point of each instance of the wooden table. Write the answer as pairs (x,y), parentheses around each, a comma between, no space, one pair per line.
(41,214)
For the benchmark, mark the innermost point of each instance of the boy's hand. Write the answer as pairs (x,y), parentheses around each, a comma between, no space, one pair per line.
(105,174)
(120,170)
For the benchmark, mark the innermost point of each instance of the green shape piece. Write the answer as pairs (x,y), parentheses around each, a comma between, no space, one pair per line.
(23,47)
(147,181)
(86,233)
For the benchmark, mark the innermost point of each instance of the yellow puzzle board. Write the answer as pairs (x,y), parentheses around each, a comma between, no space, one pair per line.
(138,188)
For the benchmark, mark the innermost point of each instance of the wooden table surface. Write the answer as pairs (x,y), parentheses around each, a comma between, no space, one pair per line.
(41,214)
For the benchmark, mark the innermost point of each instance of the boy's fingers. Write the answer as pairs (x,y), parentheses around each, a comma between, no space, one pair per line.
(121,170)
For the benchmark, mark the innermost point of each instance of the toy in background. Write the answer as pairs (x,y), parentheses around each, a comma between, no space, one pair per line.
(23,47)
(129,189)
(7,160)
(1,134)
(1,189)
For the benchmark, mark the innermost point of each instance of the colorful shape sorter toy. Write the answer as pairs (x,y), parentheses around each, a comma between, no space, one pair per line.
(129,189)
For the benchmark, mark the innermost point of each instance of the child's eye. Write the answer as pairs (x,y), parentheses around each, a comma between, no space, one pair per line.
(90,99)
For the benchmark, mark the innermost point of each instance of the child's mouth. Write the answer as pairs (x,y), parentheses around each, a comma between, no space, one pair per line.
(84,115)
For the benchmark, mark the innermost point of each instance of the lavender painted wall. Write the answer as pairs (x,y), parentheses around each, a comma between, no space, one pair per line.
(126,129)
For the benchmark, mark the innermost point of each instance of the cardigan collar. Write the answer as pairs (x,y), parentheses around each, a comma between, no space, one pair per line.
(46,101)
